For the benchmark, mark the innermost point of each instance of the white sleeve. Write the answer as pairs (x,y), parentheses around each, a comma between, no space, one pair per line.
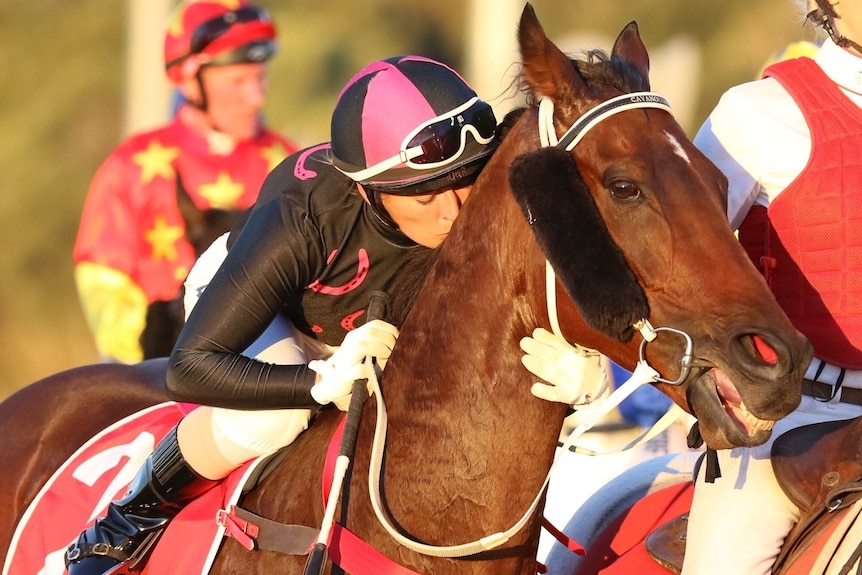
(758,138)
(742,188)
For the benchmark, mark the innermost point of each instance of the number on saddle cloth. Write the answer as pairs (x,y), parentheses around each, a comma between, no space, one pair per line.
(81,489)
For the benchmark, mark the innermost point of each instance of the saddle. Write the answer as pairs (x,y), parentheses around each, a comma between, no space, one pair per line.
(819,468)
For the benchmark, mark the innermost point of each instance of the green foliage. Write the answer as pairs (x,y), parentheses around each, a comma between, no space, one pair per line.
(61,108)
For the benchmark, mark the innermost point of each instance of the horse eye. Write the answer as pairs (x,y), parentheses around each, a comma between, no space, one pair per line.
(624,190)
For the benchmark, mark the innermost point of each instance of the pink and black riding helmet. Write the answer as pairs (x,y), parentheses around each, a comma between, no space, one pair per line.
(410,125)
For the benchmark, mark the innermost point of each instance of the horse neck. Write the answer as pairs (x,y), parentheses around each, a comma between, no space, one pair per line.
(457,396)
(472,310)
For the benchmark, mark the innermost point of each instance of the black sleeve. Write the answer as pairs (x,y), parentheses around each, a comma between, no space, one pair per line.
(278,251)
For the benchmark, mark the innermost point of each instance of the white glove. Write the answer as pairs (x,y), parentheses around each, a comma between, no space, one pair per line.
(572,378)
(351,361)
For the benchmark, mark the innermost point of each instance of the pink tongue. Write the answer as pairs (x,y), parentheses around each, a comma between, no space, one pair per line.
(732,400)
(726,388)
(765,350)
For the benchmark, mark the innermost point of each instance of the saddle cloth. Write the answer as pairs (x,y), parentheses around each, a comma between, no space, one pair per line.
(100,471)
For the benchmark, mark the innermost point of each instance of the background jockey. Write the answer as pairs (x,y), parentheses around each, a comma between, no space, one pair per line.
(791,147)
(333,224)
(131,249)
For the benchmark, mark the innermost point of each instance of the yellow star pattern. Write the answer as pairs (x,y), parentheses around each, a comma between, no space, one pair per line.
(273,155)
(223,193)
(163,239)
(156,161)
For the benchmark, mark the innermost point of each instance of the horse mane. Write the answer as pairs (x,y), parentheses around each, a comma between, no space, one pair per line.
(597,66)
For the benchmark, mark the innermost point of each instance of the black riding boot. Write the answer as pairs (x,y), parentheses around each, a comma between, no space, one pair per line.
(134,523)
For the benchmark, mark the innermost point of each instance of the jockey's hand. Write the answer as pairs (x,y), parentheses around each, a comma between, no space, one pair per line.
(570,377)
(352,361)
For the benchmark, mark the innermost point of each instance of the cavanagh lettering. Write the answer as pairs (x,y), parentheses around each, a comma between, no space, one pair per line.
(647,98)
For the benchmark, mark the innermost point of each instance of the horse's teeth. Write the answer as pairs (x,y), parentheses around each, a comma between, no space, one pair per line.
(753,421)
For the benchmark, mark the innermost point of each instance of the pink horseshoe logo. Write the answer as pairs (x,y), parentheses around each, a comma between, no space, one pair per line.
(349,320)
(352,284)
(299,170)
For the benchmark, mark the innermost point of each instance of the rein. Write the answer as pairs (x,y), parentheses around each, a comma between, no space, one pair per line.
(591,413)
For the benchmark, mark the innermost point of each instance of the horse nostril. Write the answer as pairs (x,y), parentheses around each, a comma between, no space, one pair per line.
(766,351)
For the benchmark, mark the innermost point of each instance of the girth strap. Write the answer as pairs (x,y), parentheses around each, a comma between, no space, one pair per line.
(346,549)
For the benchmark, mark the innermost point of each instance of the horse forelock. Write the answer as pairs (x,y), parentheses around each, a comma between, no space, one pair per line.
(600,68)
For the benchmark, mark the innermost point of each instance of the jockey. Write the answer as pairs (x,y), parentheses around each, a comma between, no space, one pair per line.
(131,248)
(790,145)
(333,223)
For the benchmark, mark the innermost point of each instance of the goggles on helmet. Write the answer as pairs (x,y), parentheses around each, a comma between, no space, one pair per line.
(439,141)
(211,30)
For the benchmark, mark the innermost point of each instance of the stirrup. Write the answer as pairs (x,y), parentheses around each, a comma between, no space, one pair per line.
(81,550)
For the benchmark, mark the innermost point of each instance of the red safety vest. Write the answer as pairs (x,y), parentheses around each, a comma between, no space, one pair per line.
(809,241)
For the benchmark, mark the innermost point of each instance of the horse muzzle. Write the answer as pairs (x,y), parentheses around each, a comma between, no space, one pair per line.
(739,390)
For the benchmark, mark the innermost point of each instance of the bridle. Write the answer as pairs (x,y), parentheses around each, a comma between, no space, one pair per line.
(826,20)
(568,141)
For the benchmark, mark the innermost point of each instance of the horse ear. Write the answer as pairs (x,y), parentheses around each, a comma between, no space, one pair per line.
(572,234)
(630,51)
(546,70)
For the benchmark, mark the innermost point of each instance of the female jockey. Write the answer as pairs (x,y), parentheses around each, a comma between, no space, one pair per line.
(332,224)
(790,146)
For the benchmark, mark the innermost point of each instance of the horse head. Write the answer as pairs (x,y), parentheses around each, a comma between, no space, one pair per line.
(632,217)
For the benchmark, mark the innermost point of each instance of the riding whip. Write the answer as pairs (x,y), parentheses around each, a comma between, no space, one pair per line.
(316,561)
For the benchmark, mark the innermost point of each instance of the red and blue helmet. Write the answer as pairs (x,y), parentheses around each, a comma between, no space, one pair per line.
(205,32)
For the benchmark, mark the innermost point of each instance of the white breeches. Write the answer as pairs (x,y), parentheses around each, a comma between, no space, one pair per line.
(738,523)
(218,439)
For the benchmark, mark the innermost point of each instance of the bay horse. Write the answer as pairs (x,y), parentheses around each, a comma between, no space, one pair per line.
(632,222)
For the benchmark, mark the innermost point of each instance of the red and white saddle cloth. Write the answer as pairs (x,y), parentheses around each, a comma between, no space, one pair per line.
(98,473)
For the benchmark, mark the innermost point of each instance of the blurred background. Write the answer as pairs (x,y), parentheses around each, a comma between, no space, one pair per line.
(78,75)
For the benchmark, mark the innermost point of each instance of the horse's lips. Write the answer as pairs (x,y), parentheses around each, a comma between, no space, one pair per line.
(735,407)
